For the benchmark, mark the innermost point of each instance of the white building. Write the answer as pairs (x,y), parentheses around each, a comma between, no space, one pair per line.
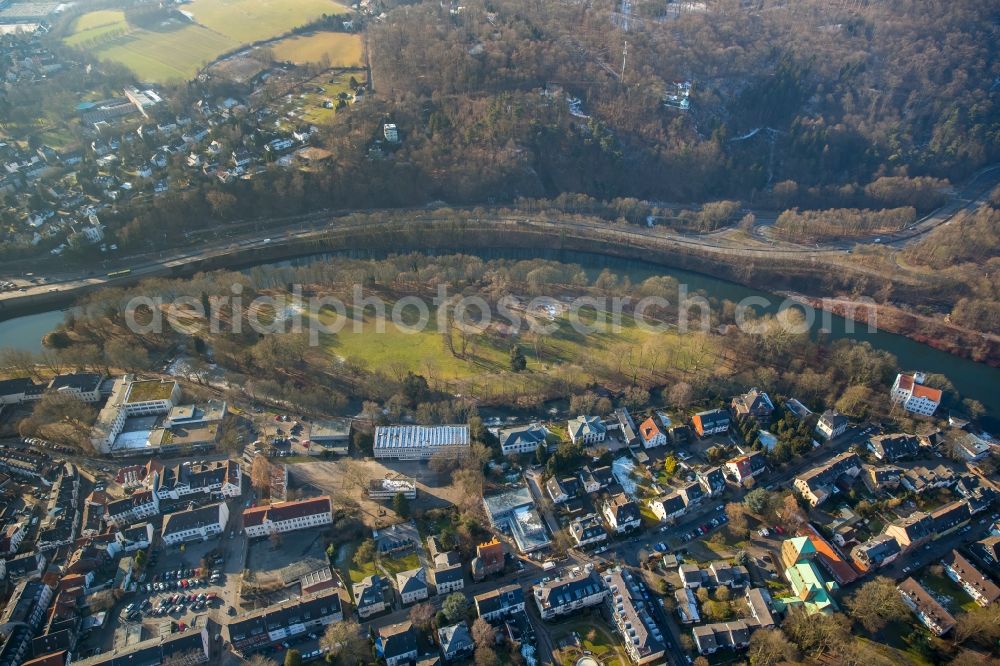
(412,585)
(652,434)
(388,488)
(910,392)
(831,424)
(586,430)
(287,516)
(130,398)
(134,509)
(521,439)
(621,513)
(198,524)
(566,595)
(420,442)
(390,132)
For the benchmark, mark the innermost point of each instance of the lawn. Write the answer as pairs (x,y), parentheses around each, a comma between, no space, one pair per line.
(947,592)
(487,363)
(347,566)
(395,565)
(175,48)
(603,644)
(337,49)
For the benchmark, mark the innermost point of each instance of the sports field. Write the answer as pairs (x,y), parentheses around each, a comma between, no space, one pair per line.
(171,46)
(339,48)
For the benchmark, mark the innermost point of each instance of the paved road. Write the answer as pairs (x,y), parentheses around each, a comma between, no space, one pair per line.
(257,234)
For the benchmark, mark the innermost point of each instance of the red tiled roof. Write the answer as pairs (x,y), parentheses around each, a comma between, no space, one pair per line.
(921,391)
(649,429)
(843,572)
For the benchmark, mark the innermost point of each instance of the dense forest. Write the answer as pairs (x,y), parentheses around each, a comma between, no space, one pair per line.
(822,97)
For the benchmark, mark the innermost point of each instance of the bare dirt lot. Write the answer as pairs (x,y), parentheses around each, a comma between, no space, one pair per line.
(283,563)
(347,481)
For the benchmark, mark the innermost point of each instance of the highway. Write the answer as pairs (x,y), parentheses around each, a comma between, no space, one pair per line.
(259,234)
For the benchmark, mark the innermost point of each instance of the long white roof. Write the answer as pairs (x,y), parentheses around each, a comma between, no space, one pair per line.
(414,436)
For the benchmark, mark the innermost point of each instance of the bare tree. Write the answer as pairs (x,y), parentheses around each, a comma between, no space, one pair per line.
(483,634)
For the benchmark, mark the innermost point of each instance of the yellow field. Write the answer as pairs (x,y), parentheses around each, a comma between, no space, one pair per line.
(177,49)
(342,49)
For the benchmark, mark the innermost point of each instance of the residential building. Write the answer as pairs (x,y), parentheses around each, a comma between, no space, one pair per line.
(687,606)
(397,644)
(412,585)
(831,424)
(921,479)
(711,422)
(522,439)
(817,484)
(134,509)
(587,530)
(950,517)
(910,392)
(973,447)
(710,638)
(691,575)
(621,513)
(587,430)
(570,593)
(448,573)
(495,605)
(186,648)
(287,516)
(26,605)
(879,479)
(733,576)
(630,616)
(414,442)
(761,607)
(391,133)
(746,467)
(891,448)
(370,596)
(754,404)
(456,642)
(911,532)
(983,590)
(692,493)
(310,613)
(927,609)
(626,425)
(136,537)
(651,434)
(197,524)
(220,478)
(84,386)
(875,553)
(594,480)
(712,480)
(668,507)
(561,490)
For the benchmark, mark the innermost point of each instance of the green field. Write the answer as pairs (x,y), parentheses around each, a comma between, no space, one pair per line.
(171,47)
(338,48)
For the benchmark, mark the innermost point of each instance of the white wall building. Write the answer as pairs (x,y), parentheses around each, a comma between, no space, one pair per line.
(420,442)
(910,392)
(287,516)
(195,524)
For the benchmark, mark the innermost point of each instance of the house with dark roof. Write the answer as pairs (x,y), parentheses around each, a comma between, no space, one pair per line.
(412,585)
(84,386)
(710,638)
(456,642)
(950,517)
(621,513)
(587,430)
(568,594)
(911,532)
(668,507)
(761,606)
(754,404)
(182,648)
(983,590)
(712,480)
(258,629)
(370,596)
(522,439)
(630,614)
(563,489)
(875,553)
(711,422)
(920,479)
(879,479)
(746,467)
(587,530)
(927,609)
(626,425)
(495,605)
(397,643)
(198,524)
(692,493)
(818,483)
(891,448)
(831,424)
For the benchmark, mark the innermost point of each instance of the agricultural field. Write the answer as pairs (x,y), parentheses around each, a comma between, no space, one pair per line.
(336,49)
(169,46)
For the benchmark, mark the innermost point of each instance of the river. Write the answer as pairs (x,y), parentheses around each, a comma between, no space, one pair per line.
(972,380)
